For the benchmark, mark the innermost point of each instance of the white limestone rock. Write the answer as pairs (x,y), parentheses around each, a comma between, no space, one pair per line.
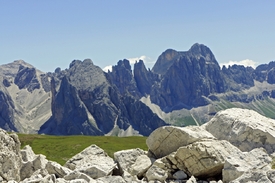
(34,163)
(92,161)
(205,158)
(168,139)
(246,129)
(78,181)
(156,173)
(258,176)
(192,179)
(127,161)
(56,169)
(78,175)
(141,165)
(113,179)
(39,177)
(61,180)
(10,156)
(27,154)
(241,162)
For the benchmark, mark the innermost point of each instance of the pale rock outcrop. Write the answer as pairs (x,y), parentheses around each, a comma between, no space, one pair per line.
(156,173)
(132,163)
(258,176)
(246,129)
(27,153)
(10,156)
(78,175)
(29,167)
(56,169)
(141,165)
(92,161)
(113,179)
(192,179)
(61,180)
(39,178)
(205,158)
(78,181)
(241,162)
(168,139)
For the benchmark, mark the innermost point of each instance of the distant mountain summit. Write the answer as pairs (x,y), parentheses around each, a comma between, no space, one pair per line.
(191,75)
(86,102)
(183,88)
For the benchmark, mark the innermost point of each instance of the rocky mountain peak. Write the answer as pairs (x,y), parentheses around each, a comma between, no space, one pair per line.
(200,50)
(124,63)
(11,69)
(27,78)
(165,60)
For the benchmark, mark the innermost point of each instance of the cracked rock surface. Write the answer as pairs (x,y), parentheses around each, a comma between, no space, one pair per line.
(205,158)
(246,129)
(240,165)
(168,139)
(10,156)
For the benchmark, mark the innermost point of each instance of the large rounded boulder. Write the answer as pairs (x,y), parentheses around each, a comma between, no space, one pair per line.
(168,139)
(246,129)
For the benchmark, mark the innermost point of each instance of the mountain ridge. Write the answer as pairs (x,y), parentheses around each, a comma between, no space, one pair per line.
(183,88)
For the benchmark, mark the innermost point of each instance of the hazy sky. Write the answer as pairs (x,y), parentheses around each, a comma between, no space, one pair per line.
(50,34)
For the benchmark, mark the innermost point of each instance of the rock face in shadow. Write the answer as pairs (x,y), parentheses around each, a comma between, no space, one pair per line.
(238,77)
(165,60)
(87,102)
(122,77)
(7,110)
(26,78)
(192,75)
(263,72)
(144,78)
(70,116)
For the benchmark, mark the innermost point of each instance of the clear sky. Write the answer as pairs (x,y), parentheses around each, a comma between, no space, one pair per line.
(51,33)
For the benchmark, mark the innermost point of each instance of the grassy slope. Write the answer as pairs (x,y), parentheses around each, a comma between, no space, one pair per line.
(62,148)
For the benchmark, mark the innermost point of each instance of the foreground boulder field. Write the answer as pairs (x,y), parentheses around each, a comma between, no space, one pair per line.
(235,146)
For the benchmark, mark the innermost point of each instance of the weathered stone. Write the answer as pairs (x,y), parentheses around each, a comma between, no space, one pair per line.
(27,153)
(33,164)
(168,139)
(179,175)
(56,169)
(192,179)
(205,158)
(127,158)
(78,175)
(61,180)
(246,129)
(240,162)
(113,179)
(258,176)
(155,173)
(78,181)
(141,165)
(10,156)
(40,177)
(92,161)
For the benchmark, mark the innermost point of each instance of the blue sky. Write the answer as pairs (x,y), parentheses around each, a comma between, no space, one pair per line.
(50,34)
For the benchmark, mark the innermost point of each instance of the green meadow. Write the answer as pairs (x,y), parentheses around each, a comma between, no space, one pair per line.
(62,148)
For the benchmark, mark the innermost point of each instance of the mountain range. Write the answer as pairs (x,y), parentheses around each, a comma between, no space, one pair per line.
(183,88)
